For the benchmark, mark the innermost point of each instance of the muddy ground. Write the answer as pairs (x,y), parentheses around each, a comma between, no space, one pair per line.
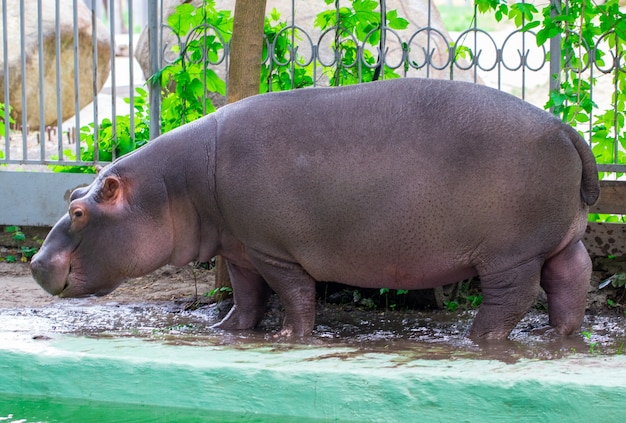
(173,305)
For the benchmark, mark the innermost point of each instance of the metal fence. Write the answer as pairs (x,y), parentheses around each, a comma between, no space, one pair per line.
(481,51)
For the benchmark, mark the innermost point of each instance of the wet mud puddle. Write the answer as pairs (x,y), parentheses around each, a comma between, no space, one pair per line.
(413,334)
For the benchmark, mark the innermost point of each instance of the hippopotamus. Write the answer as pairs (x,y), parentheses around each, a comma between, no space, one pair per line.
(401,184)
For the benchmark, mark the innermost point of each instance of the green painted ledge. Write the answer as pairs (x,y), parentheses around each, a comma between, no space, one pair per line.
(300,384)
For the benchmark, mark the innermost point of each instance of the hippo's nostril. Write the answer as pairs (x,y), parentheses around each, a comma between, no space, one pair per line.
(50,272)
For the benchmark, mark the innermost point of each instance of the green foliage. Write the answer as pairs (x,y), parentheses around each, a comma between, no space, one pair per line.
(467,297)
(219,294)
(355,29)
(593,346)
(451,306)
(2,117)
(384,292)
(188,80)
(2,125)
(608,218)
(592,35)
(617,280)
(19,237)
(186,83)
(112,141)
(278,73)
(588,31)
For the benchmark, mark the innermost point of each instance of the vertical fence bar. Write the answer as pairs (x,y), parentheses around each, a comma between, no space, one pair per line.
(76,84)
(42,120)
(383,36)
(293,52)
(23,67)
(616,101)
(337,52)
(94,82)
(111,13)
(592,61)
(131,69)
(205,58)
(5,66)
(428,57)
(154,84)
(555,52)
(524,56)
(474,57)
(57,23)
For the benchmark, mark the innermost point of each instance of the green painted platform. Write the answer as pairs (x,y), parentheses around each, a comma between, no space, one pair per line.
(71,378)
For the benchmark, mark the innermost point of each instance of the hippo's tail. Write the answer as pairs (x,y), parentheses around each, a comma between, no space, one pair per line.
(590,185)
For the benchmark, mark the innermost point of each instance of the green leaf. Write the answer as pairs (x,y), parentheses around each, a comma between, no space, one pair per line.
(582,118)
(395,22)
(180,21)
(530,25)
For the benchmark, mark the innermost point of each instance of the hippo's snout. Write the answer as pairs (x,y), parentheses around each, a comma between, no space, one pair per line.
(51,273)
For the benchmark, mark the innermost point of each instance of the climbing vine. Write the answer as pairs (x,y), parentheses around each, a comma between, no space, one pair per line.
(357,34)
(593,38)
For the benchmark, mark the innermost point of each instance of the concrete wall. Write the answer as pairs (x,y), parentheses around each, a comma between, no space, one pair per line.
(37,198)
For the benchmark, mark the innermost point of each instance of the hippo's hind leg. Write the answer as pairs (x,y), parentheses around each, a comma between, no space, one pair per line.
(296,289)
(507,297)
(250,294)
(565,279)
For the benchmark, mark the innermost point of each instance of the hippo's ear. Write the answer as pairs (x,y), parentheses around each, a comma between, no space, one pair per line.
(111,189)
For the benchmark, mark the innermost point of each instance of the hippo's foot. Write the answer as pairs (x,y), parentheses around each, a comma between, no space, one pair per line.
(250,294)
(299,324)
(507,296)
(240,319)
(565,279)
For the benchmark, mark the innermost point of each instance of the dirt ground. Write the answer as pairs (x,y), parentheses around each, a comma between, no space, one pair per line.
(18,289)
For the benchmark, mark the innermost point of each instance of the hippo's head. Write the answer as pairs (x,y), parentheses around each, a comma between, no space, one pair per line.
(116,228)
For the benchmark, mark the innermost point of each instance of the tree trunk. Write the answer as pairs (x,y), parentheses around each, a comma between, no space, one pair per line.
(246,50)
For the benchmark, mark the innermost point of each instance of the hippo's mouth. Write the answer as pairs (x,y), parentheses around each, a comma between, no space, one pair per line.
(76,287)
(63,275)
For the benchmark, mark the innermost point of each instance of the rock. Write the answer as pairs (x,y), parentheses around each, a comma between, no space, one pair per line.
(31,47)
(415,11)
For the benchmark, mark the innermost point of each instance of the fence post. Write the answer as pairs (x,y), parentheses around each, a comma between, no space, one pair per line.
(154,91)
(555,52)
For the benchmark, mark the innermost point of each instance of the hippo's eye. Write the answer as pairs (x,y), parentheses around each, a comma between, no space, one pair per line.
(78,216)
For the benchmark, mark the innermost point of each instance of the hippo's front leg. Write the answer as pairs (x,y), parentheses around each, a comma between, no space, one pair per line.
(250,295)
(296,289)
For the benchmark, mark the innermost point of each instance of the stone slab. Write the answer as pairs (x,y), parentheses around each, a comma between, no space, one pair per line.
(37,198)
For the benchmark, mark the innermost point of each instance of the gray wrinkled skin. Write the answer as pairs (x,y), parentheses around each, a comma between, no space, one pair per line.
(401,184)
